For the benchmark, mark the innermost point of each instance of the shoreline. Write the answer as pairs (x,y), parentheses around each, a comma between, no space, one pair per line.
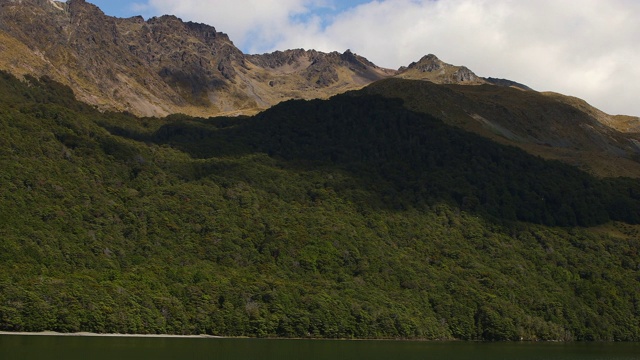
(204,336)
(88,334)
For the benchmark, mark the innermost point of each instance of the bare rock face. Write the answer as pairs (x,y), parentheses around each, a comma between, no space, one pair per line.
(463,74)
(320,70)
(428,63)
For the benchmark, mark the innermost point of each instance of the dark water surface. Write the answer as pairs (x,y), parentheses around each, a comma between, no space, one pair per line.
(72,348)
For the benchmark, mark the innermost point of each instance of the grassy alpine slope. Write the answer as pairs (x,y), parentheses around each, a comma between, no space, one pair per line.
(350,218)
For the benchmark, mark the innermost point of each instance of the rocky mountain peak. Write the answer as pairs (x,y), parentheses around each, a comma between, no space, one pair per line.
(430,68)
(357,60)
(81,8)
(428,63)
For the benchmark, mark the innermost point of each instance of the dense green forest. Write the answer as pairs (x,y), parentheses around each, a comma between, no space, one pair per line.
(345,218)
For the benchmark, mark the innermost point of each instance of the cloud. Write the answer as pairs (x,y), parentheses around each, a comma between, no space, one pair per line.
(585,48)
(251,24)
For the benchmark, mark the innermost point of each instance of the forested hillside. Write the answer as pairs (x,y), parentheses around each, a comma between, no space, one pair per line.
(350,218)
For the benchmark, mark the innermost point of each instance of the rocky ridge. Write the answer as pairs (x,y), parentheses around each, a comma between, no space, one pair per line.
(435,70)
(164,65)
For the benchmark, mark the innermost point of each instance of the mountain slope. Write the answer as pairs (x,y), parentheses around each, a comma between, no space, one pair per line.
(319,219)
(545,124)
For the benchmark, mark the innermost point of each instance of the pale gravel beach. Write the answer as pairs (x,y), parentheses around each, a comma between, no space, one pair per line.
(87,334)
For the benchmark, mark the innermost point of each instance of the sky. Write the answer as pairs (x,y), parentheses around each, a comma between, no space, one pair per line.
(584,48)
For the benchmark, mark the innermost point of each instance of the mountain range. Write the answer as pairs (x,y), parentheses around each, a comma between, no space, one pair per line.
(164,65)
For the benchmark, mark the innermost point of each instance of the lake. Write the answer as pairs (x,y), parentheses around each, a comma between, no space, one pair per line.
(122,348)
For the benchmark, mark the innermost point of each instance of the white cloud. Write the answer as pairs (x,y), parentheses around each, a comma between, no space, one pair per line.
(251,24)
(585,48)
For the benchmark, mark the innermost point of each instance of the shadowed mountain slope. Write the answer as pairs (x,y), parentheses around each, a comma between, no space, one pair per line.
(546,124)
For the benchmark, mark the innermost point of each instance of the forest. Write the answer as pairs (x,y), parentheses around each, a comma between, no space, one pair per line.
(351,217)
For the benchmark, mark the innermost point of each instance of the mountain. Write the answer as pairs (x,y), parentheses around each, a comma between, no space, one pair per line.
(164,65)
(432,69)
(351,217)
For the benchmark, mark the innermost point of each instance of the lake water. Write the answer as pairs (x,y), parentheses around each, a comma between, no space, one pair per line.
(95,348)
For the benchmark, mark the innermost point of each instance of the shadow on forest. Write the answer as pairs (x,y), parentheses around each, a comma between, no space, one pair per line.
(408,160)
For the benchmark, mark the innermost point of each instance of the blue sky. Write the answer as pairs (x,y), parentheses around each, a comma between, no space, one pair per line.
(584,48)
(119,8)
